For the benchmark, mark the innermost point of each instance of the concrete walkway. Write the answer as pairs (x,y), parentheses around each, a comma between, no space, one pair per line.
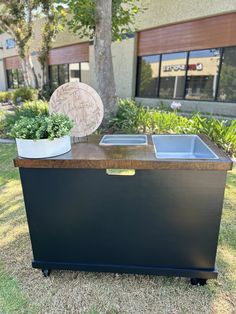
(6,141)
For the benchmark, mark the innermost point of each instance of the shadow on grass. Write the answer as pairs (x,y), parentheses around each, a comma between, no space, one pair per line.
(228,223)
(7,170)
(13,236)
(226,255)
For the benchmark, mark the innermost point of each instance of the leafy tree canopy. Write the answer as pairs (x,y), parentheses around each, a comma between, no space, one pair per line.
(17,16)
(16,19)
(83,21)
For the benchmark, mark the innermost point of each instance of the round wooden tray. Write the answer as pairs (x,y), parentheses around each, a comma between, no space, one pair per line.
(81,103)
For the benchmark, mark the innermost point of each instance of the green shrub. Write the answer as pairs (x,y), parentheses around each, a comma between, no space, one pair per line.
(126,118)
(24,94)
(133,118)
(29,109)
(2,124)
(46,92)
(163,107)
(2,114)
(42,127)
(167,122)
(19,95)
(32,109)
(223,133)
(5,96)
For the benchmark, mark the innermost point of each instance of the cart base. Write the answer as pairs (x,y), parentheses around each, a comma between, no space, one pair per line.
(159,271)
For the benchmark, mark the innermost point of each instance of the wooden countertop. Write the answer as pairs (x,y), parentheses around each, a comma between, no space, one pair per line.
(90,155)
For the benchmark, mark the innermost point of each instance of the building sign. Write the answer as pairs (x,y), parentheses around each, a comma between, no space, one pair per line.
(194,67)
(182,67)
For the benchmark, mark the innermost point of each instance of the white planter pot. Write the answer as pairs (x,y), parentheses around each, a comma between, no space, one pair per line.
(43,148)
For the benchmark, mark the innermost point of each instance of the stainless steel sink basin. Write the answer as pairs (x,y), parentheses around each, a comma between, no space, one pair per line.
(181,147)
(119,140)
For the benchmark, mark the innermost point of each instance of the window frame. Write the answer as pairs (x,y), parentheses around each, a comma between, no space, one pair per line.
(137,88)
(10,43)
(79,63)
(218,81)
(185,77)
(59,74)
(215,100)
(9,75)
(68,70)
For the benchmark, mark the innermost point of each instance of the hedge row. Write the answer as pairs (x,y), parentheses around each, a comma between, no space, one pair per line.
(133,118)
(19,95)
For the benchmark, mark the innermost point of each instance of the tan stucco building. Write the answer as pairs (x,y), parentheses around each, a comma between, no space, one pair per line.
(184,50)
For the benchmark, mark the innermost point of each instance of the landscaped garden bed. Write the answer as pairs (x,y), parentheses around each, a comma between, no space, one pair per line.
(133,118)
(18,96)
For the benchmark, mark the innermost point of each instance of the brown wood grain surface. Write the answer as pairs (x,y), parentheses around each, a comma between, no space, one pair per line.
(91,155)
(69,54)
(211,32)
(12,63)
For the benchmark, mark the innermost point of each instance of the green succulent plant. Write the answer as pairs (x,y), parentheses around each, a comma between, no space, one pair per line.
(42,127)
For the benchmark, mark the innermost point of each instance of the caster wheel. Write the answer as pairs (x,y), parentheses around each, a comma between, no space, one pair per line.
(198,282)
(46,272)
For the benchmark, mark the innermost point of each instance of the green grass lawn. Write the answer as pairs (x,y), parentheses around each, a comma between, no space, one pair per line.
(24,290)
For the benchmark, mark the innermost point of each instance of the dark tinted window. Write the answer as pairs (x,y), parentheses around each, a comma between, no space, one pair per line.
(53,72)
(63,71)
(148,76)
(15,78)
(173,69)
(202,75)
(10,79)
(20,78)
(227,84)
(74,69)
(208,74)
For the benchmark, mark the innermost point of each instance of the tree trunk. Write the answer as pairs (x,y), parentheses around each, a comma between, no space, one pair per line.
(29,73)
(45,74)
(103,58)
(25,73)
